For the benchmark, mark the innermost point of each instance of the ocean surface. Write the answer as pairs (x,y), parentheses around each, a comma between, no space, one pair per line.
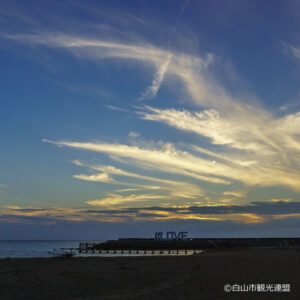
(18,249)
(30,249)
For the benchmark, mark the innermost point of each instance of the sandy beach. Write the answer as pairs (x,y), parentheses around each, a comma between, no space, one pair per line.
(169,277)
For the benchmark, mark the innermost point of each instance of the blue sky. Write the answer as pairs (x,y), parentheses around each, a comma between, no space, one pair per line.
(124,117)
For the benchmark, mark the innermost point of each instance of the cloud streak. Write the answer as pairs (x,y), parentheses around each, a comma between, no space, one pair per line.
(255,146)
(152,90)
(191,70)
(169,159)
(167,189)
(166,158)
(252,213)
(245,143)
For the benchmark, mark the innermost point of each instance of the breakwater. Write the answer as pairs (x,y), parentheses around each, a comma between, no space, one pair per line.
(146,245)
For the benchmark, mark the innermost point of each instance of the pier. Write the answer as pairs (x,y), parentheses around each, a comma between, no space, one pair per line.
(184,246)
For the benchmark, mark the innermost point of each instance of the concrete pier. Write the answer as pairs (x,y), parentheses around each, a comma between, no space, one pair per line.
(137,245)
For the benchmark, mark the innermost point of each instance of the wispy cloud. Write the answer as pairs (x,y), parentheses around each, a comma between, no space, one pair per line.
(236,194)
(167,189)
(117,108)
(103,177)
(291,49)
(251,213)
(166,158)
(152,90)
(133,134)
(169,159)
(114,199)
(245,142)
(191,70)
(257,147)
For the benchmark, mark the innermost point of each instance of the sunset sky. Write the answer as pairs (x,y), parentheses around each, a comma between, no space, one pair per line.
(122,118)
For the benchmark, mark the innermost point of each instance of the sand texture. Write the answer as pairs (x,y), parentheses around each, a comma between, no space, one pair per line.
(170,277)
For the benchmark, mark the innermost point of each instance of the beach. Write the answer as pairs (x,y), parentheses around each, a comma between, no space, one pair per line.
(200,276)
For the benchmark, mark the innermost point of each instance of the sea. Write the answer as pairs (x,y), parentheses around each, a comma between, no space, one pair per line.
(44,248)
(41,248)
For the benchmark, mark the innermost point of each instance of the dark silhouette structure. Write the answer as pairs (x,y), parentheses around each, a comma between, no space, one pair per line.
(152,245)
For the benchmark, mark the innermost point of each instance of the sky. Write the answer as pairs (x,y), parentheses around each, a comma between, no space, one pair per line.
(123,118)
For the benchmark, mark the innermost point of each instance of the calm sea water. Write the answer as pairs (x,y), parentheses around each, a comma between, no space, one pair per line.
(34,248)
